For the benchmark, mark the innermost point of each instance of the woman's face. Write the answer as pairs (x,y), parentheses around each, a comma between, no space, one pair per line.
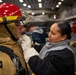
(54,34)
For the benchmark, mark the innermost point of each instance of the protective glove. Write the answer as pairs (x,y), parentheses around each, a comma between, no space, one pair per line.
(25,42)
(28,51)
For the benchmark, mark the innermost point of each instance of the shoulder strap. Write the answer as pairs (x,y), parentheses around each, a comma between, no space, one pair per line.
(15,59)
(7,50)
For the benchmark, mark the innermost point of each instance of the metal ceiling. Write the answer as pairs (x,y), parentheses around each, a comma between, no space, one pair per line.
(46,4)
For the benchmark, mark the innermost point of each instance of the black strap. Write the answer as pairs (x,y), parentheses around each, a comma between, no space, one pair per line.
(5,25)
(18,65)
(7,50)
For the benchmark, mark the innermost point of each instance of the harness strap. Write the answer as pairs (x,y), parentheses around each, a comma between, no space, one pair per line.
(19,69)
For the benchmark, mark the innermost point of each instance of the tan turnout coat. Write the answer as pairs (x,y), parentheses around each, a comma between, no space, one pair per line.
(6,65)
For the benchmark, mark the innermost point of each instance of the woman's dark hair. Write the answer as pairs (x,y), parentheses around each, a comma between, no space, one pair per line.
(65,29)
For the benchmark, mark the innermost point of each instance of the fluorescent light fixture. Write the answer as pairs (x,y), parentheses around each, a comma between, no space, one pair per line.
(0,0)
(57,6)
(40,5)
(59,3)
(24,4)
(39,0)
(62,0)
(43,13)
(54,16)
(29,6)
(33,13)
(21,0)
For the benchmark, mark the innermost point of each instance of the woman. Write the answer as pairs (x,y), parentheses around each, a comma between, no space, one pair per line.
(56,57)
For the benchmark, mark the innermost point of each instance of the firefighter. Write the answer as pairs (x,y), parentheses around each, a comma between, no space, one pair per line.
(10,32)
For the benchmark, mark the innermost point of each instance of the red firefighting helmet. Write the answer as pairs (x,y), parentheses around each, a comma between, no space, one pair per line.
(9,11)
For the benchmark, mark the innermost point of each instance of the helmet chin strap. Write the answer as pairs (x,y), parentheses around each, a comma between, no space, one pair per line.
(5,25)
